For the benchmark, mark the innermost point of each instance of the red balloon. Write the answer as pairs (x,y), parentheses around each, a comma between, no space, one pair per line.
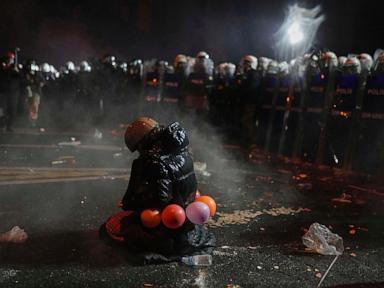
(173,216)
(150,218)
(210,202)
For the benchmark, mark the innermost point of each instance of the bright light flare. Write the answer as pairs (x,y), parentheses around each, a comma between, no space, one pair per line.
(295,33)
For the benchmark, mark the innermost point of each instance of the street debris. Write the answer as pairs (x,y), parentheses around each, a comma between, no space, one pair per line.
(307,186)
(15,235)
(201,167)
(64,160)
(343,198)
(197,260)
(352,232)
(98,134)
(321,240)
(353,254)
(220,253)
(245,216)
(326,272)
(117,155)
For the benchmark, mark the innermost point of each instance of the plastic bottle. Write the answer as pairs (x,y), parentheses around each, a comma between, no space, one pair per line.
(197,260)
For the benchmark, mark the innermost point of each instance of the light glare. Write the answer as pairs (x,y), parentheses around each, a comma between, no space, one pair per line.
(295,34)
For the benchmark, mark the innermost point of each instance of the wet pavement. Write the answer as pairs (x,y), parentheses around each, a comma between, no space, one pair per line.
(61,186)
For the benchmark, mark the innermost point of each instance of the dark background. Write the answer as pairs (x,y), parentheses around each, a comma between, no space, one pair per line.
(57,31)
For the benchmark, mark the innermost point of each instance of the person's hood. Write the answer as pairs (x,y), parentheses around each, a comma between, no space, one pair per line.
(174,138)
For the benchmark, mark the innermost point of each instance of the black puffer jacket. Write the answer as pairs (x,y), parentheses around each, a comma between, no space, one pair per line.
(164,174)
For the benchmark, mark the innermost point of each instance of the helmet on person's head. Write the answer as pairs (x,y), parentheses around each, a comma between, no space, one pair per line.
(341,61)
(180,59)
(85,67)
(273,68)
(366,61)
(329,59)
(352,66)
(137,131)
(283,68)
(45,68)
(202,55)
(70,66)
(249,62)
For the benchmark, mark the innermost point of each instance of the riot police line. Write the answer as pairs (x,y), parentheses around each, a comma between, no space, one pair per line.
(319,107)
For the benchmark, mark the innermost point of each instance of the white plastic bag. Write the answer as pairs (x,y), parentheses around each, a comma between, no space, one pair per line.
(321,240)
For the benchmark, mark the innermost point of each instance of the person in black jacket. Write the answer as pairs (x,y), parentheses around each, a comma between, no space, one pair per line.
(163,174)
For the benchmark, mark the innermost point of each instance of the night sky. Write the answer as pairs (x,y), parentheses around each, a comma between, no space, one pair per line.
(57,31)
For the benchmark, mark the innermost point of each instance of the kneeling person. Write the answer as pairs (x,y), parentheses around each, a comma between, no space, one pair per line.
(163,174)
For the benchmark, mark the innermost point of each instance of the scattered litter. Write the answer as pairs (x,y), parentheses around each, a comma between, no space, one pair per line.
(259,267)
(263,178)
(200,280)
(317,270)
(205,173)
(262,229)
(200,166)
(225,247)
(307,186)
(352,232)
(309,269)
(148,285)
(321,240)
(197,260)
(42,130)
(353,254)
(98,134)
(15,235)
(253,247)
(343,198)
(276,267)
(64,160)
(245,216)
(318,275)
(117,155)
(220,253)
(326,272)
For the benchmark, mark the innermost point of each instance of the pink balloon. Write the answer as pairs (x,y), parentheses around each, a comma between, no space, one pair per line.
(198,213)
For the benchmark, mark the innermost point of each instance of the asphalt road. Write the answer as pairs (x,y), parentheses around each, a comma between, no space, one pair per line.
(265,206)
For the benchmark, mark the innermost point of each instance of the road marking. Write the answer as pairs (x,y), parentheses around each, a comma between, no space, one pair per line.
(53,146)
(31,169)
(58,180)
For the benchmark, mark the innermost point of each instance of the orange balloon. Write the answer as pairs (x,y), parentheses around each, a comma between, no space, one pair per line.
(210,202)
(173,216)
(150,218)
